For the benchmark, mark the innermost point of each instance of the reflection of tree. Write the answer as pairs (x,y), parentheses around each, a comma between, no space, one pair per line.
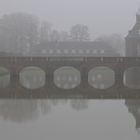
(18,110)
(79,104)
(45,106)
(26,110)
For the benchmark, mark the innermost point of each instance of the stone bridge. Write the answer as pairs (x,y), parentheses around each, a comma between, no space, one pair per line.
(83,64)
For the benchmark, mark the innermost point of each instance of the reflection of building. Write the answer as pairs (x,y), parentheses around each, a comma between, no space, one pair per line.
(134,108)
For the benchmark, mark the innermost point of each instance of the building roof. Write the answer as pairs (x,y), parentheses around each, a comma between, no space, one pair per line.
(135,31)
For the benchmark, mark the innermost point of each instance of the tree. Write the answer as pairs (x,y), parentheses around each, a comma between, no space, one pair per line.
(64,36)
(116,41)
(45,32)
(79,32)
(19,30)
(55,36)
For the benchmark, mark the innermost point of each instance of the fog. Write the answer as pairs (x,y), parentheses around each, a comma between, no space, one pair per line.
(75,50)
(102,17)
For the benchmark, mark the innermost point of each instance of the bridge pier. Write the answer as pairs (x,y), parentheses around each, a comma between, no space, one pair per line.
(84,77)
(14,79)
(119,75)
(49,78)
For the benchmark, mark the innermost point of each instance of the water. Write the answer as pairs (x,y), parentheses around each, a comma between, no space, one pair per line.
(67,119)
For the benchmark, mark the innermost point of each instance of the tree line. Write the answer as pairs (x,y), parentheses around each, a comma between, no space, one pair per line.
(22,30)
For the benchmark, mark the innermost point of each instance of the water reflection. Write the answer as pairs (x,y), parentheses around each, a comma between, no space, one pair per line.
(101,77)
(32,77)
(18,110)
(67,77)
(26,110)
(134,108)
(100,115)
(79,104)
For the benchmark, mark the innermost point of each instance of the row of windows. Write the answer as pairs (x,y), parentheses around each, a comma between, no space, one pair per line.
(73,51)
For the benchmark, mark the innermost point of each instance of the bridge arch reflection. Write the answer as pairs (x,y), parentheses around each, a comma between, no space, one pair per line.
(32,77)
(67,77)
(101,77)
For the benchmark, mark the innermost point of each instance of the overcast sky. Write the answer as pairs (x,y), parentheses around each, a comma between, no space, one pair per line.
(102,16)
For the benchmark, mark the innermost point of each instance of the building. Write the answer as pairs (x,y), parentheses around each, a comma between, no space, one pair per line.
(133,39)
(133,50)
(96,49)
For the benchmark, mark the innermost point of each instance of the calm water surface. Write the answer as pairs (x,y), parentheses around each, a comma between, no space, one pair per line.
(69,119)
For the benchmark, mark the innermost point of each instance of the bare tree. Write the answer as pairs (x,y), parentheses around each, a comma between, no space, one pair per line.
(45,32)
(19,30)
(55,36)
(64,36)
(79,32)
(115,40)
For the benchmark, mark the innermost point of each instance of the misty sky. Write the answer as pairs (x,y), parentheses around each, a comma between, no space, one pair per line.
(102,16)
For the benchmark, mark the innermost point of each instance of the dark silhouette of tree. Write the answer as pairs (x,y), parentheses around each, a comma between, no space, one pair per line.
(79,32)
